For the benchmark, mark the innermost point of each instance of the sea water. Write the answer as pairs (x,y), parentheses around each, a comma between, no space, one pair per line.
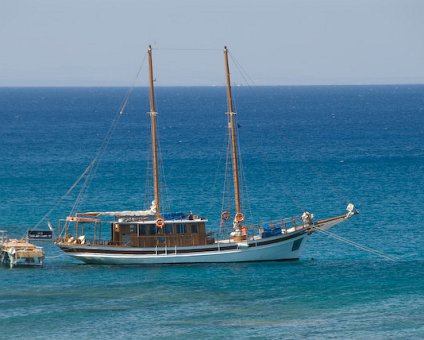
(302,148)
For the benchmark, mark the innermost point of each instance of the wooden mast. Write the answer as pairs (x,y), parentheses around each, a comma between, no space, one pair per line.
(153,114)
(231,114)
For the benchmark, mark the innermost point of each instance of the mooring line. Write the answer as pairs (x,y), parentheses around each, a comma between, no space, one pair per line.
(358,245)
(54,257)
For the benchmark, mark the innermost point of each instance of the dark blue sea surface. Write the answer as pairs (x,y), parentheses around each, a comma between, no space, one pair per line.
(302,148)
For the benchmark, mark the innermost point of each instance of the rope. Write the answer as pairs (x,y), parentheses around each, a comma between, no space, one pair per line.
(228,180)
(95,162)
(215,181)
(250,82)
(90,169)
(244,188)
(247,78)
(54,257)
(64,196)
(336,190)
(185,49)
(105,143)
(357,245)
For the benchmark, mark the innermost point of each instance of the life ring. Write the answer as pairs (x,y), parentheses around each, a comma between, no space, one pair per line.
(225,215)
(239,217)
(160,223)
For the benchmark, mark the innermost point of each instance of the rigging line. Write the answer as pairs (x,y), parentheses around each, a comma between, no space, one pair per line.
(87,170)
(245,76)
(244,187)
(185,49)
(245,191)
(227,162)
(357,245)
(166,199)
(107,139)
(230,173)
(336,190)
(295,201)
(54,257)
(98,156)
(148,184)
(125,101)
(249,81)
(226,201)
(65,195)
(85,185)
(217,172)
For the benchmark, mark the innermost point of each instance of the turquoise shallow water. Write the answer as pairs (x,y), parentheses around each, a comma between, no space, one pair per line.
(313,148)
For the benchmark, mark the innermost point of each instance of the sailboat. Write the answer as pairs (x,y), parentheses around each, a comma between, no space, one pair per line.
(155,237)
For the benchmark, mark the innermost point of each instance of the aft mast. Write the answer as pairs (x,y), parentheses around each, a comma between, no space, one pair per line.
(153,114)
(239,217)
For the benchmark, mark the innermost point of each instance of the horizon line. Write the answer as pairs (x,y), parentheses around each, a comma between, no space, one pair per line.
(235,85)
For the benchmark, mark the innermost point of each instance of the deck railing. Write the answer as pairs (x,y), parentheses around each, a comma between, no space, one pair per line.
(286,225)
(253,231)
(148,241)
(4,237)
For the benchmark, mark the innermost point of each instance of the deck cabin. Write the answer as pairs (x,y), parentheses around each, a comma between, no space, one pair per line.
(179,230)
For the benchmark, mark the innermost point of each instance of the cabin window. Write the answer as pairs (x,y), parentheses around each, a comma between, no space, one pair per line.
(125,239)
(194,229)
(142,230)
(181,228)
(133,228)
(152,229)
(168,228)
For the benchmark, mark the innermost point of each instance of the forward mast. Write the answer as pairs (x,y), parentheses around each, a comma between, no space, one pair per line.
(153,114)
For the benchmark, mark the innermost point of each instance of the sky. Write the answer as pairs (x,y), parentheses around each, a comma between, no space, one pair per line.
(272,42)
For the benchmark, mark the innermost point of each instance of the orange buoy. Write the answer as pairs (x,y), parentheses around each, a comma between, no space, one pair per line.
(239,217)
(160,223)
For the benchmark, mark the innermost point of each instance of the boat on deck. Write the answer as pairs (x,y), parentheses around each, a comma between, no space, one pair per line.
(14,252)
(155,237)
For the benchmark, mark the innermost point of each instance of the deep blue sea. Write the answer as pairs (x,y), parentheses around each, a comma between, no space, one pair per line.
(302,148)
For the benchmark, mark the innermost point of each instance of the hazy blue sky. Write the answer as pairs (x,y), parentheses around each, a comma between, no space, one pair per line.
(103,42)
